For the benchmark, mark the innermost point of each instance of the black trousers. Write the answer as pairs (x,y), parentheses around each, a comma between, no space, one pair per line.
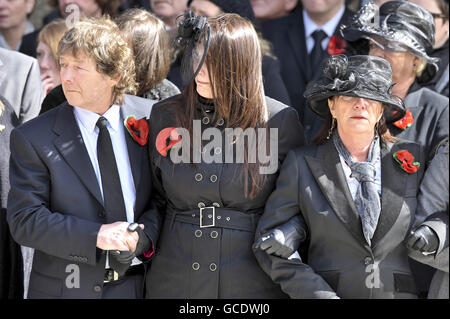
(128,287)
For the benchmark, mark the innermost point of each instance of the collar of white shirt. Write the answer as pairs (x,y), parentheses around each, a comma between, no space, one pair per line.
(328,28)
(89,119)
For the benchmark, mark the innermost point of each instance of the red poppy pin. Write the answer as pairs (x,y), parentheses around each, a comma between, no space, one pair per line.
(405,122)
(406,161)
(166,139)
(138,129)
(336,46)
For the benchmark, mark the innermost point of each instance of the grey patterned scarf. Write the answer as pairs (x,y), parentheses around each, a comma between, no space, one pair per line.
(367,199)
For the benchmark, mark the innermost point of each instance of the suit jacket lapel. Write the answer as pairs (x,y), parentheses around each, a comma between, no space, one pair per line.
(72,148)
(329,175)
(393,181)
(134,149)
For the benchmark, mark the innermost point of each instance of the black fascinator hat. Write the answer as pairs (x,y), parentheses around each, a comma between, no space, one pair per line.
(362,76)
(192,29)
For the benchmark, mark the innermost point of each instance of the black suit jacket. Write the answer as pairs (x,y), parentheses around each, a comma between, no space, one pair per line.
(313,186)
(287,34)
(55,204)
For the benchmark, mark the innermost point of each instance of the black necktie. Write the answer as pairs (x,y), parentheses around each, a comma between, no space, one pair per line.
(317,53)
(112,190)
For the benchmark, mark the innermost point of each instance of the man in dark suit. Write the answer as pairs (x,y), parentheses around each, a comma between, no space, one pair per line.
(300,57)
(68,199)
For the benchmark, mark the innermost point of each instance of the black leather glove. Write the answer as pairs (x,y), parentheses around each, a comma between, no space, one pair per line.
(143,244)
(121,260)
(423,239)
(283,240)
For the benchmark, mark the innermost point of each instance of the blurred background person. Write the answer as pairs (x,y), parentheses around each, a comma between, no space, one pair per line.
(47,47)
(439,11)
(168,10)
(20,83)
(14,22)
(406,43)
(11,273)
(87,8)
(405,38)
(149,41)
(428,242)
(300,41)
(269,9)
(274,86)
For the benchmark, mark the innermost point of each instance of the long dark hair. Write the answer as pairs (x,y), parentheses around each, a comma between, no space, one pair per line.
(234,66)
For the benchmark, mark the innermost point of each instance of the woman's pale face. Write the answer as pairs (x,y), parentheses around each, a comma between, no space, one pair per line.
(402,63)
(204,87)
(355,115)
(47,65)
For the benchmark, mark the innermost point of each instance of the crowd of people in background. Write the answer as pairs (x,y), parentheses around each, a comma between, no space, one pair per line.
(358,92)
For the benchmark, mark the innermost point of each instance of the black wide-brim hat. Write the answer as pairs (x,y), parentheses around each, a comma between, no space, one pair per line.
(364,76)
(396,21)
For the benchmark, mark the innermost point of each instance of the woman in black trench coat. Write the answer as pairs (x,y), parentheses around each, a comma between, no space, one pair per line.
(354,193)
(211,208)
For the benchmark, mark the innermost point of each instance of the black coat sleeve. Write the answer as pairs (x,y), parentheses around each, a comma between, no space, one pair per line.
(295,278)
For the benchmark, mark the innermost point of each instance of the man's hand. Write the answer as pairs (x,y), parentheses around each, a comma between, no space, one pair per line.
(116,236)
(423,239)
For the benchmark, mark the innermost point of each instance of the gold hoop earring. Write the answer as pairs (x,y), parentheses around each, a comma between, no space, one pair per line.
(330,131)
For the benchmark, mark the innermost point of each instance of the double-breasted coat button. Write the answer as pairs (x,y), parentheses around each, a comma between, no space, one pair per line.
(214,234)
(213,267)
(228,219)
(217,150)
(198,233)
(213,178)
(221,122)
(205,120)
(368,261)
(216,205)
(198,177)
(201,205)
(196,266)
(101,214)
(97,288)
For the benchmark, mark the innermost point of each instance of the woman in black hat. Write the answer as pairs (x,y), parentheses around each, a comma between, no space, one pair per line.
(212,198)
(403,33)
(274,86)
(352,194)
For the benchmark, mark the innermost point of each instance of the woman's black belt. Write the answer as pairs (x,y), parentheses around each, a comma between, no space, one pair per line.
(216,217)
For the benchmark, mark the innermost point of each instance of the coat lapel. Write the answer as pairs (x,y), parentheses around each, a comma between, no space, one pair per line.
(329,175)
(134,149)
(393,181)
(71,146)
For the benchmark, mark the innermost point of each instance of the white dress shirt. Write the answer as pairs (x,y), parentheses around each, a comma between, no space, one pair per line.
(328,28)
(87,121)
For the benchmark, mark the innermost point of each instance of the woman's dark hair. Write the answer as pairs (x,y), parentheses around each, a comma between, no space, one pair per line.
(233,62)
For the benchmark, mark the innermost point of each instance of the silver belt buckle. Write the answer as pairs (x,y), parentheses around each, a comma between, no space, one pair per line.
(213,216)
